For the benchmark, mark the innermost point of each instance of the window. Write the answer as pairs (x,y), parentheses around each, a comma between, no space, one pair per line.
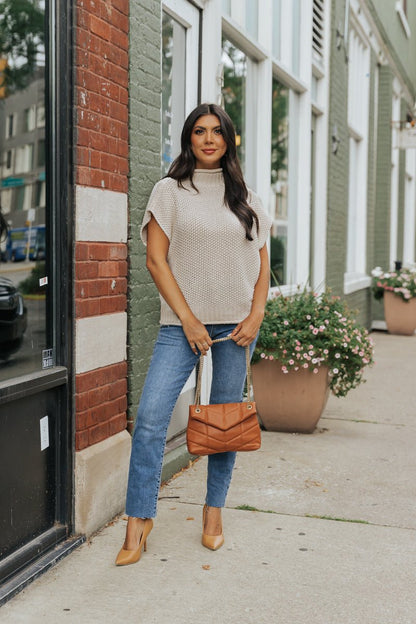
(180,53)
(234,93)
(40,194)
(252,18)
(173,88)
(40,116)
(29,119)
(226,6)
(358,103)
(11,125)
(9,161)
(19,197)
(394,192)
(41,153)
(409,209)
(276,17)
(24,158)
(279,183)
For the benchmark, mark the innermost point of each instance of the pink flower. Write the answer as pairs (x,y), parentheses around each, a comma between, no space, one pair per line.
(306,365)
(271,357)
(291,362)
(315,370)
(274,334)
(315,331)
(262,355)
(285,322)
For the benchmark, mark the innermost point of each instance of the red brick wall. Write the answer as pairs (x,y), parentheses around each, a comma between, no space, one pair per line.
(101,78)
(101,161)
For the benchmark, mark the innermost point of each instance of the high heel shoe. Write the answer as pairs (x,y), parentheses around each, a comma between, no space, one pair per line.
(125,557)
(213,542)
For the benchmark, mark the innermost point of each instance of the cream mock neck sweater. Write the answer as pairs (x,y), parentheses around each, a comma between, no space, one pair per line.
(214,264)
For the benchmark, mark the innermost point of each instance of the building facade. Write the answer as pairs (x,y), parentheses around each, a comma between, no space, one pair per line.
(319,92)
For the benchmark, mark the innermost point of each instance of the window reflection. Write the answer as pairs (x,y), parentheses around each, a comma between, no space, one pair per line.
(22,187)
(279,183)
(173,88)
(234,93)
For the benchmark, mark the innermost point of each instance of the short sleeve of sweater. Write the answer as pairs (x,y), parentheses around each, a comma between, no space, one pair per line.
(161,205)
(265,221)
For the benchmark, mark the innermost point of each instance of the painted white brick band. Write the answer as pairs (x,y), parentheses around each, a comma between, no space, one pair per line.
(100,341)
(101,215)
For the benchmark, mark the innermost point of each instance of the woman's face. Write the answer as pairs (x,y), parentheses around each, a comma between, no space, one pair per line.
(207,142)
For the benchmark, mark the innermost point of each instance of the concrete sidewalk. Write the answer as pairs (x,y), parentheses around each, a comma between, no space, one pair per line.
(332,540)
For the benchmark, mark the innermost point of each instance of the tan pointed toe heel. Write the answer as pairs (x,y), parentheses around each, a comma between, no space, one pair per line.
(125,557)
(213,542)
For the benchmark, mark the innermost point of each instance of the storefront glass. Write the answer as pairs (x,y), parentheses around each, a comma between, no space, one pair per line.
(23,248)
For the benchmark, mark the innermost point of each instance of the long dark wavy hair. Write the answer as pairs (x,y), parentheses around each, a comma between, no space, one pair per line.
(183,167)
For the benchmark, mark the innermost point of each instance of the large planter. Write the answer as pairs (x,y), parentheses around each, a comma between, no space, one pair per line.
(400,315)
(292,401)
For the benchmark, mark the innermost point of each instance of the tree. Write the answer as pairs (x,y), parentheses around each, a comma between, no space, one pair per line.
(22,38)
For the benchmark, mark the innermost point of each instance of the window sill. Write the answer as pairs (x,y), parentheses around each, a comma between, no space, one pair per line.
(355,281)
(286,290)
(403,18)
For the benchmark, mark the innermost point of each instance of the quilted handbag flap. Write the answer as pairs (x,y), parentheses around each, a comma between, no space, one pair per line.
(224,415)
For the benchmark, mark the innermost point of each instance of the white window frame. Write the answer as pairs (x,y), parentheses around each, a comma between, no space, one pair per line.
(394,189)
(355,276)
(188,15)
(409,230)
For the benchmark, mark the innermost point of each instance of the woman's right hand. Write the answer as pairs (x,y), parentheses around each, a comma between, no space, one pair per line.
(197,335)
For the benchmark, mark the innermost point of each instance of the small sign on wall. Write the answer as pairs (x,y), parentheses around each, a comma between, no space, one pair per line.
(44,433)
(406,137)
(47,358)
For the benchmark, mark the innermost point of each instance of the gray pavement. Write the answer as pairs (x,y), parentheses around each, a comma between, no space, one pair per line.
(332,540)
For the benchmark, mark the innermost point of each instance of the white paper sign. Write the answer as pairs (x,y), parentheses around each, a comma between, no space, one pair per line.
(44,433)
(406,138)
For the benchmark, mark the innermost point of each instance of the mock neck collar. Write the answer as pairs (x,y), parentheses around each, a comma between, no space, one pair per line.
(208,176)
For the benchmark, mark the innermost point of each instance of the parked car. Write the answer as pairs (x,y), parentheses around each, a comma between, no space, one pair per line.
(13,318)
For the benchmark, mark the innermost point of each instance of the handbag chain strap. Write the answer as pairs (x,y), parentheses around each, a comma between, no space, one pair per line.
(201,365)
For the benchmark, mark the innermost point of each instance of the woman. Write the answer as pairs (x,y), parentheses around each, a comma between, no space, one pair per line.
(206,252)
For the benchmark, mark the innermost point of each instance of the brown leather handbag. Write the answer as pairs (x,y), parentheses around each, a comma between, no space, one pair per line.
(225,426)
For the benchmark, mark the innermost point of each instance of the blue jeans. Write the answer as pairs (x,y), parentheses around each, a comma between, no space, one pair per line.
(171,364)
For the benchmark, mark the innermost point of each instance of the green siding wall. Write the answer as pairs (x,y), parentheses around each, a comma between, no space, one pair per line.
(145,170)
(337,163)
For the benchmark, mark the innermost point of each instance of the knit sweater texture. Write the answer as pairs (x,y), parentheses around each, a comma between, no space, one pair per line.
(214,264)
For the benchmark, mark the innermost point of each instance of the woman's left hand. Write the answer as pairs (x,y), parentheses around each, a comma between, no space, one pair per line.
(246,331)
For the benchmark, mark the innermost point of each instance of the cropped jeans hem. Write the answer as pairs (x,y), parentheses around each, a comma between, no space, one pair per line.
(171,365)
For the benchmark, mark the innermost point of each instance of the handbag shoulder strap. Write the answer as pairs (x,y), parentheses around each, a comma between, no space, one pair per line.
(201,365)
